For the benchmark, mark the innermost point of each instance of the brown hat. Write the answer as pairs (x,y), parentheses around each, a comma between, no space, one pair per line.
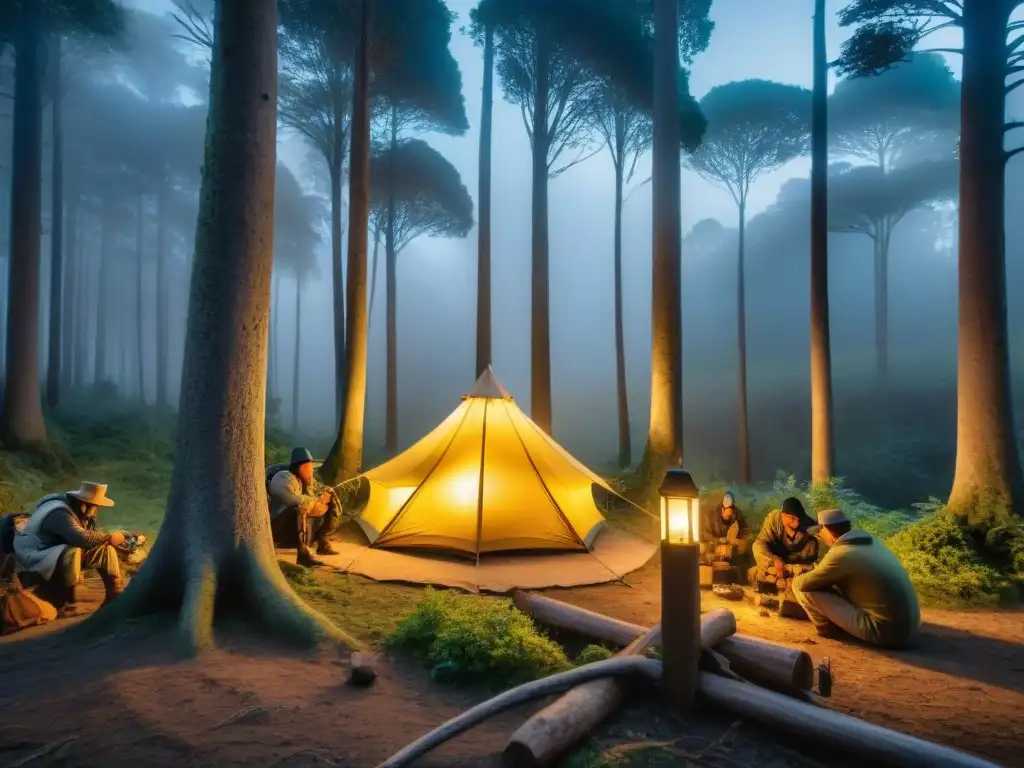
(94,494)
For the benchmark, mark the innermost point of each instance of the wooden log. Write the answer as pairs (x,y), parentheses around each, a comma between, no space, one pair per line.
(842,734)
(769,664)
(626,665)
(555,613)
(761,661)
(557,727)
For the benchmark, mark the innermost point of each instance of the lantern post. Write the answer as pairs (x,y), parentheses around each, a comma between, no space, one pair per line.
(680,588)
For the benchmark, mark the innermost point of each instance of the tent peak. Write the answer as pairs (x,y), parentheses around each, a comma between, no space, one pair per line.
(488,386)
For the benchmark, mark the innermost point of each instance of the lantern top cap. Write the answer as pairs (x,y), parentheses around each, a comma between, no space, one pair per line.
(678,484)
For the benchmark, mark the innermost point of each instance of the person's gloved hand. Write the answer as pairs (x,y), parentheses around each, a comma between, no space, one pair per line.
(117,538)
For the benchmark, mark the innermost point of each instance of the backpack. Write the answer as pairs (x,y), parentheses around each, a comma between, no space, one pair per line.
(20,608)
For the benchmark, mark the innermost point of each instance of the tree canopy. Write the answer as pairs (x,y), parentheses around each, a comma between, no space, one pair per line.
(864,199)
(754,126)
(429,196)
(876,119)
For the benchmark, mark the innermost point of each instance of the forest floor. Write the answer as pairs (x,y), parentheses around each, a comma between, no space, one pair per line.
(130,700)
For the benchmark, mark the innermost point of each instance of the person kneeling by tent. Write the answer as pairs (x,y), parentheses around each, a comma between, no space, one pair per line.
(301,510)
(784,549)
(60,540)
(724,532)
(859,587)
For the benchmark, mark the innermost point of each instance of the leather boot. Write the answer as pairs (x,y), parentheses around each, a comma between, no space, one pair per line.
(113,586)
(323,547)
(305,558)
(70,605)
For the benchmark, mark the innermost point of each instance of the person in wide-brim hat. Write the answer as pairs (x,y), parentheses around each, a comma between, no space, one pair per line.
(303,513)
(784,548)
(60,540)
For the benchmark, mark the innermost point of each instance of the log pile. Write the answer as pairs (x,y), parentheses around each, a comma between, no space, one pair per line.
(764,681)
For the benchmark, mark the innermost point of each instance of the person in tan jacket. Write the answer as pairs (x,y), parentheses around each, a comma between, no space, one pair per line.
(859,588)
(301,510)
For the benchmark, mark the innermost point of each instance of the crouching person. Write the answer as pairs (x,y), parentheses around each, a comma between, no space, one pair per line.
(60,540)
(724,533)
(784,548)
(860,587)
(301,511)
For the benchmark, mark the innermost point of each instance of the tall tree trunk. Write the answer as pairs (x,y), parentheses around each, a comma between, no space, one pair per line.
(373,274)
(881,279)
(988,482)
(82,313)
(741,347)
(140,346)
(102,293)
(665,436)
(273,344)
(337,163)
(162,319)
(391,411)
(215,550)
(483,253)
(21,419)
(622,396)
(297,360)
(53,364)
(822,450)
(540,310)
(346,456)
(70,292)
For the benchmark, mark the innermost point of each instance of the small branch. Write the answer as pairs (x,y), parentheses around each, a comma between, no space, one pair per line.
(571,163)
(1013,126)
(1013,152)
(940,50)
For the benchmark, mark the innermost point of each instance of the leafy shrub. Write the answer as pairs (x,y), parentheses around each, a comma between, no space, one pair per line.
(592,653)
(469,639)
(945,564)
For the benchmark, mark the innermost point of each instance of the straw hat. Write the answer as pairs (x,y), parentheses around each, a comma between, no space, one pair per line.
(94,494)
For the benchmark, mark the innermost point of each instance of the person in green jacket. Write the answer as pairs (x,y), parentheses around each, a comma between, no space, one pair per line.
(783,549)
(859,588)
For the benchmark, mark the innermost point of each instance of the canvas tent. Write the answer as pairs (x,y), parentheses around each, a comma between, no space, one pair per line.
(487,479)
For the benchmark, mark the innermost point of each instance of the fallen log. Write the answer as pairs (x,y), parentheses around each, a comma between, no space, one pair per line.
(769,664)
(766,663)
(557,727)
(555,613)
(841,733)
(562,681)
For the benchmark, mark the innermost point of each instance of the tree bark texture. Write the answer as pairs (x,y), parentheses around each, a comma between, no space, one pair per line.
(621,392)
(346,456)
(373,275)
(822,444)
(214,551)
(82,324)
(988,481)
(391,287)
(483,254)
(69,291)
(741,348)
(337,282)
(665,436)
(540,310)
(54,359)
(21,419)
(881,280)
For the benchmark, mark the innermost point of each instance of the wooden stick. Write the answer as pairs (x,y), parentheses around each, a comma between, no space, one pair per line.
(761,661)
(557,727)
(555,613)
(840,733)
(627,665)
(769,664)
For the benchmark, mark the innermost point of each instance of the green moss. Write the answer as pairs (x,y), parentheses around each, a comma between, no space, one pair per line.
(592,653)
(476,640)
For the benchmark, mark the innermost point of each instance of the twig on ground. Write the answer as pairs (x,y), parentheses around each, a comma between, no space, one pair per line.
(246,713)
(48,749)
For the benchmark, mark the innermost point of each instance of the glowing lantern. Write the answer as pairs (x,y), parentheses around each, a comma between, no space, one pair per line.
(680,508)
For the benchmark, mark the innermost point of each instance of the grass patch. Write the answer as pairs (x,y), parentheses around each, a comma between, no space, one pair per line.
(369,610)
(640,756)
(467,639)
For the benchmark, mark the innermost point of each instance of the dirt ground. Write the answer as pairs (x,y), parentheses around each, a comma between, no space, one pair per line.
(129,700)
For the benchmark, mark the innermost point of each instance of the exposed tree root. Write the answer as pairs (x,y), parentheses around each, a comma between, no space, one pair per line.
(247,585)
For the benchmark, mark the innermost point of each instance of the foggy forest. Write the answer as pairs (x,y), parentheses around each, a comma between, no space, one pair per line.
(777,246)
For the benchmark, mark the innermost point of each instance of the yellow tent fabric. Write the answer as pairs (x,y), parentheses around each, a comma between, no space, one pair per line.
(487,479)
